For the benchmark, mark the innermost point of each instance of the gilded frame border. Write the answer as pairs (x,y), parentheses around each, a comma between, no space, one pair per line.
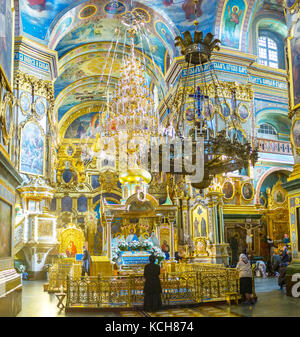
(220,110)
(290,68)
(233,190)
(37,101)
(7,133)
(27,95)
(87,17)
(252,189)
(206,216)
(292,7)
(238,112)
(209,118)
(104,11)
(295,120)
(9,82)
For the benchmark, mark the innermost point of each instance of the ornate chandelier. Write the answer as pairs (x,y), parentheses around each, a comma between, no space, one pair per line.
(226,147)
(132,109)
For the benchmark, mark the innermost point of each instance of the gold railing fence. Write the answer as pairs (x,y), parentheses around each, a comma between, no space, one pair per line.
(59,272)
(177,288)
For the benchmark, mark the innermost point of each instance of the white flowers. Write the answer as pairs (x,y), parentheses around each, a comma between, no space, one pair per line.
(134,245)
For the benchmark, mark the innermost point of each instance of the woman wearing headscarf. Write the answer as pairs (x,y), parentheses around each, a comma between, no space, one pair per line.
(152,287)
(245,273)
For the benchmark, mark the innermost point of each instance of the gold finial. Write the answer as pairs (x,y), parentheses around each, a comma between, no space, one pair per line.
(196,23)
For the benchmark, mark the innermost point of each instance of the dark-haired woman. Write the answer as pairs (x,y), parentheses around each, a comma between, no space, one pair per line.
(152,287)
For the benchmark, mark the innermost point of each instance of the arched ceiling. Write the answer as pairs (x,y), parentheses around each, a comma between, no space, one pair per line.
(91,40)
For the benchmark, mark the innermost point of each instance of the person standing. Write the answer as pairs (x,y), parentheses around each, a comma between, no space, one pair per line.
(85,262)
(285,257)
(245,273)
(152,286)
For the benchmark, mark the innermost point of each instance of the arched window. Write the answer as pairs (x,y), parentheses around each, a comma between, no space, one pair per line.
(268,51)
(267,131)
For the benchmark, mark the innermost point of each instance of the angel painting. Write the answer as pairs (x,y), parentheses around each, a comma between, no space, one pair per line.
(232,22)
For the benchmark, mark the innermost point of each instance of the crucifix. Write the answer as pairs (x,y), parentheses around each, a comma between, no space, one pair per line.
(248,228)
(199,97)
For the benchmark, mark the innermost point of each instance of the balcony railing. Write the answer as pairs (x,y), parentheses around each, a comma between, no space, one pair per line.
(274,146)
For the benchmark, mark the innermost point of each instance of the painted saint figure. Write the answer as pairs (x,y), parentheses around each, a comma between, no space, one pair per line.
(232,21)
(71,250)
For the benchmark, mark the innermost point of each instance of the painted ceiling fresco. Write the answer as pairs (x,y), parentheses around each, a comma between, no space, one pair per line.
(39,17)
(82,32)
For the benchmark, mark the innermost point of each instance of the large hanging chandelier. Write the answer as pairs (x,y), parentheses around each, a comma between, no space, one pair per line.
(131,109)
(227,147)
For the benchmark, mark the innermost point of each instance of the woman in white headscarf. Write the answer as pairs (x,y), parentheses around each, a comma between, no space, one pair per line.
(245,273)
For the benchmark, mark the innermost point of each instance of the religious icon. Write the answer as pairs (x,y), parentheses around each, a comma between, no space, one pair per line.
(262,200)
(7,120)
(228,190)
(115,7)
(203,228)
(225,110)
(6,39)
(71,250)
(5,229)
(232,22)
(243,112)
(294,60)
(278,196)
(208,110)
(190,113)
(32,149)
(296,133)
(24,102)
(88,11)
(247,191)
(196,228)
(40,107)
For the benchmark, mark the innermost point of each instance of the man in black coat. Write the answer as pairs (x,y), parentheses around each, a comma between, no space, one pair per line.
(152,286)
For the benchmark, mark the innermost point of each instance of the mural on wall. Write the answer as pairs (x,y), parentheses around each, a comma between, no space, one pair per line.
(84,126)
(37,15)
(6,38)
(233,15)
(294,61)
(32,150)
(5,229)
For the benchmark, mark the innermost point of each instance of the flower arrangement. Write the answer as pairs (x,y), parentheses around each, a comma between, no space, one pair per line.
(134,245)
(147,244)
(115,253)
(123,245)
(158,253)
